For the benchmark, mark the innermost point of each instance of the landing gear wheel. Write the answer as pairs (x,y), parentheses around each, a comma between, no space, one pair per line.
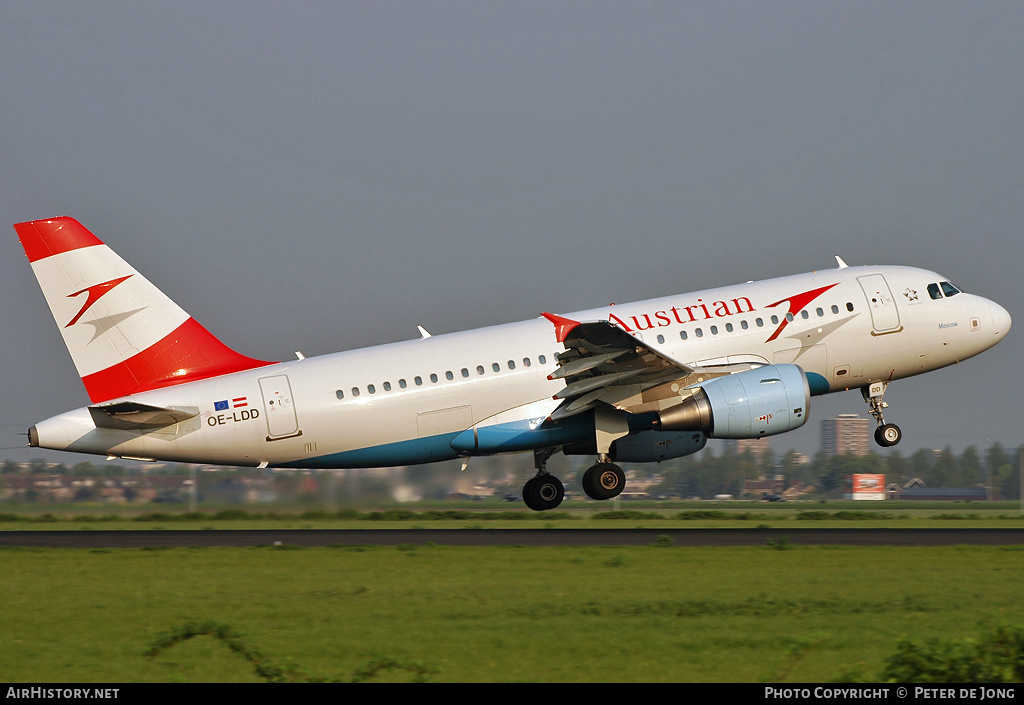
(604,481)
(543,492)
(888,435)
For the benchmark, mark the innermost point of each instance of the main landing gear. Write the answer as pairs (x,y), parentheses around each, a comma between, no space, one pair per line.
(604,480)
(544,491)
(887,434)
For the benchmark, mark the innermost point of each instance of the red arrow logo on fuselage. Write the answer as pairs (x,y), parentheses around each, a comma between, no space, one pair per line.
(797,302)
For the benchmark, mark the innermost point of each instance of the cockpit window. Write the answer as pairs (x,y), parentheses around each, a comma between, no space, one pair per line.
(936,291)
(948,289)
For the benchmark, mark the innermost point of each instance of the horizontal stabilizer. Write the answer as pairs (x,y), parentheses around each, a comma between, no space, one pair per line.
(129,415)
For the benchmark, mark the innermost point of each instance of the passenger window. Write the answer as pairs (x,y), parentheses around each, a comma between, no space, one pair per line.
(714,330)
(661,339)
(542,360)
(820,312)
(849,306)
(355,391)
(728,327)
(465,372)
(496,367)
(402,384)
(479,369)
(744,325)
(433,378)
(387,386)
(805,315)
(340,394)
(449,376)
(759,322)
(526,362)
(418,381)
(775,320)
(699,333)
(682,334)
(371,389)
(835,309)
(511,364)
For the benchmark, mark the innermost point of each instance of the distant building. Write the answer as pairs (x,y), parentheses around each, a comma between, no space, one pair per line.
(764,486)
(847,434)
(774,488)
(757,447)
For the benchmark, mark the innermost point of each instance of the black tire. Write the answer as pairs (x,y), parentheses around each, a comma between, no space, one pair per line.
(543,492)
(888,435)
(604,481)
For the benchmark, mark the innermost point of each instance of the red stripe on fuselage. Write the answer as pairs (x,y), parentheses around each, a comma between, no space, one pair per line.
(46,238)
(187,354)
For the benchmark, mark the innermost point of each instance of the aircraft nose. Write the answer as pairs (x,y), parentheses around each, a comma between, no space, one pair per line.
(1000,320)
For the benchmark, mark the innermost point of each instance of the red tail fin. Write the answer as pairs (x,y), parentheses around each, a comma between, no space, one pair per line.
(124,334)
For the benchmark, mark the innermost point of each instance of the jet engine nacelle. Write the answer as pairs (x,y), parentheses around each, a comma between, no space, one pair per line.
(760,402)
(644,446)
(655,446)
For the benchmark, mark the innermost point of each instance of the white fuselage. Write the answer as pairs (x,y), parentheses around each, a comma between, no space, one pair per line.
(406,402)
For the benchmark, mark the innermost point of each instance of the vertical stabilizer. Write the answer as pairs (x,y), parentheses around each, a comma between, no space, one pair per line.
(124,334)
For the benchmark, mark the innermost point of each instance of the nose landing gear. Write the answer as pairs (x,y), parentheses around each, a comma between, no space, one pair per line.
(887,434)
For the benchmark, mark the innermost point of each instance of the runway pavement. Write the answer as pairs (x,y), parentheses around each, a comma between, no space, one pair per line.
(517,537)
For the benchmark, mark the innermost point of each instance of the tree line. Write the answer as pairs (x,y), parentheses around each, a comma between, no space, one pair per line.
(705,475)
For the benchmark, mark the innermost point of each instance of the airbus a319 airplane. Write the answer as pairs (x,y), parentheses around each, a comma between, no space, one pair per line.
(639,382)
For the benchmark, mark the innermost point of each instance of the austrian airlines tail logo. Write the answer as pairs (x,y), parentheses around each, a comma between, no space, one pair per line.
(797,302)
(95,292)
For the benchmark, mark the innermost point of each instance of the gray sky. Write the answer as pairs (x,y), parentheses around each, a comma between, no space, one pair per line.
(326,176)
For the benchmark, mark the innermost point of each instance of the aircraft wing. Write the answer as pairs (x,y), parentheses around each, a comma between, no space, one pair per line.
(133,416)
(603,363)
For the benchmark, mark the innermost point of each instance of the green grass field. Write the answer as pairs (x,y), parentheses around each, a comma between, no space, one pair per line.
(505,614)
(497,515)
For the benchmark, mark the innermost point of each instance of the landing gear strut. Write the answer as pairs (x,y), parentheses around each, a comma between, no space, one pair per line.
(543,491)
(605,479)
(887,434)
